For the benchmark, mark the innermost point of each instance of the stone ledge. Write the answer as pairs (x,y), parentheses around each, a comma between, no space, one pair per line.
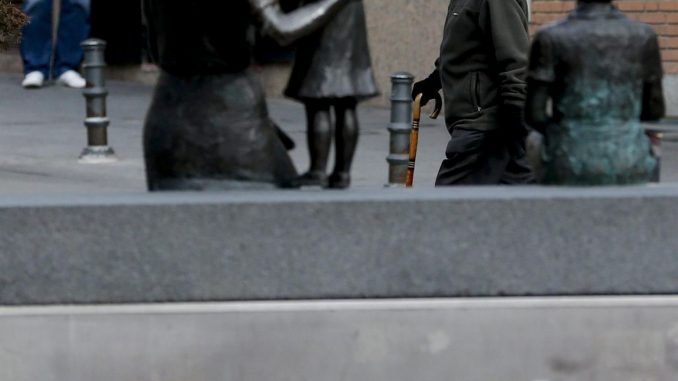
(528,339)
(326,245)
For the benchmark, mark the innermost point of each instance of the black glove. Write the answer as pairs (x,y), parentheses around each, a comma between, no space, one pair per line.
(512,120)
(515,130)
(429,87)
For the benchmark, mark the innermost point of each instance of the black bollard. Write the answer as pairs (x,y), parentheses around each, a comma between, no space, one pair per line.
(97,150)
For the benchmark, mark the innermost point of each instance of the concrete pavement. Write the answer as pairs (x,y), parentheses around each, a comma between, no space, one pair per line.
(42,134)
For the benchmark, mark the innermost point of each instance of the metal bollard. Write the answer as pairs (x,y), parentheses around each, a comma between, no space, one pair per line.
(399,128)
(97,150)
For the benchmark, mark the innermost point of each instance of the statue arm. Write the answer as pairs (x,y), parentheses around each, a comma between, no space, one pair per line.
(541,75)
(654,107)
(288,27)
(536,115)
(653,102)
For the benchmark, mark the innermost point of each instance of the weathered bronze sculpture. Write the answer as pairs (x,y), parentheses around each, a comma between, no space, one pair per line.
(603,74)
(333,71)
(208,125)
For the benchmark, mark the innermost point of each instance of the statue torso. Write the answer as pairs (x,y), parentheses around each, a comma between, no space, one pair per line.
(596,64)
(200,36)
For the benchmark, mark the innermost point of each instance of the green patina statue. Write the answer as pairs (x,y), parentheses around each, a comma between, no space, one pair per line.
(11,22)
(602,74)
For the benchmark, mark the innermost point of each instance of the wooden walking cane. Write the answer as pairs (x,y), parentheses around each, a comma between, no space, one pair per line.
(414,135)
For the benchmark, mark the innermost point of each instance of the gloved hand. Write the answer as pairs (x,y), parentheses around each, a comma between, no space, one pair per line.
(429,87)
(512,120)
(514,127)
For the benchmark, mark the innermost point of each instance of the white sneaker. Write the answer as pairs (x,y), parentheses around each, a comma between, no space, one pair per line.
(72,79)
(33,80)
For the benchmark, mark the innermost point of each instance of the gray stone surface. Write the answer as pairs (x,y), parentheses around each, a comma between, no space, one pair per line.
(589,339)
(320,245)
(42,134)
(671,93)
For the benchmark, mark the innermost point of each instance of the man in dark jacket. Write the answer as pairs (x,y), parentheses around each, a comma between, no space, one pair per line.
(481,70)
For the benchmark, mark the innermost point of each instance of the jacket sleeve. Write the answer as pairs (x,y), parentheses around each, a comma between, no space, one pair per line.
(505,25)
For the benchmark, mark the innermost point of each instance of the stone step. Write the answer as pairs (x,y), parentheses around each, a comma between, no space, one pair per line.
(189,247)
(533,339)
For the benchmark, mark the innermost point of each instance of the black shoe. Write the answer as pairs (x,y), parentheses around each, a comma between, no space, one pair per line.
(313,179)
(340,180)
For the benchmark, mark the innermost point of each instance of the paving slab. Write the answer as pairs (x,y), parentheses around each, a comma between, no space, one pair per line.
(42,134)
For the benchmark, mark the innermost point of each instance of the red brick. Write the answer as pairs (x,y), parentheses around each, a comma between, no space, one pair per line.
(545,18)
(651,6)
(547,6)
(667,30)
(652,17)
(631,5)
(668,5)
(670,55)
(668,42)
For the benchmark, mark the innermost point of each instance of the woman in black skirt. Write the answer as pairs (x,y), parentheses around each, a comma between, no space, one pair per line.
(333,71)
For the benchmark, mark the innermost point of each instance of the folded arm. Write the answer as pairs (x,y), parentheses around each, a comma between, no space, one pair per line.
(540,78)
(654,107)
(288,27)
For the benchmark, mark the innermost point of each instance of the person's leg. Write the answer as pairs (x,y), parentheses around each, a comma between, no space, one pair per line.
(346,140)
(36,43)
(474,157)
(73,30)
(518,170)
(319,138)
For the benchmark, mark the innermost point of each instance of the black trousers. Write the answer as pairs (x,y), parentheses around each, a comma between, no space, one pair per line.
(485,158)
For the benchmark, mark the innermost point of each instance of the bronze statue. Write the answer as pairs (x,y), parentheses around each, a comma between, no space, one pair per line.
(208,125)
(333,72)
(603,74)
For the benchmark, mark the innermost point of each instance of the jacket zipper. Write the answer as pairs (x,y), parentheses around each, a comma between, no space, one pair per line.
(475,91)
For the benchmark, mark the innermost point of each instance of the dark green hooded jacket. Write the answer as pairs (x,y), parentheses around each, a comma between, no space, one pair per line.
(483,61)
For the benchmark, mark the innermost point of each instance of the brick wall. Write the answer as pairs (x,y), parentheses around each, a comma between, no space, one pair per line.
(661,14)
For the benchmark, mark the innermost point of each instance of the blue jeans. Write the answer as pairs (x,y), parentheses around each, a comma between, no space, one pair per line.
(36,45)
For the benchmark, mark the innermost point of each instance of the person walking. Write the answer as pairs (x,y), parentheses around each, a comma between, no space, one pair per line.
(481,71)
(45,57)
